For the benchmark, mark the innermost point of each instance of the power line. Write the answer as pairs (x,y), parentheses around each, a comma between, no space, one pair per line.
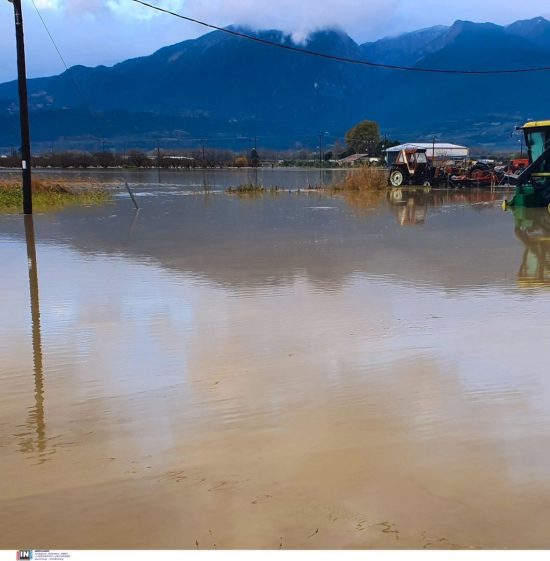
(71,77)
(339,58)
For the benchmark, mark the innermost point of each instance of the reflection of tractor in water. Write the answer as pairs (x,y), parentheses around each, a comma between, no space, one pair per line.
(411,205)
(410,166)
(532,227)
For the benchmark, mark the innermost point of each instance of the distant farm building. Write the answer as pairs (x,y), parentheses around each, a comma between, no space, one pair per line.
(441,150)
(356,159)
(189,158)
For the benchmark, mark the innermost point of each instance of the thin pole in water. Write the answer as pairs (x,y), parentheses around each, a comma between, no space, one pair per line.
(23,108)
(131,195)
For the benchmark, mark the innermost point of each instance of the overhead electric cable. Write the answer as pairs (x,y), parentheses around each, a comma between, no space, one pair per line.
(339,58)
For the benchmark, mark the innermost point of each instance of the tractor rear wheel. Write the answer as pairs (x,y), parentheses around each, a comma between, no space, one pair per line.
(396,178)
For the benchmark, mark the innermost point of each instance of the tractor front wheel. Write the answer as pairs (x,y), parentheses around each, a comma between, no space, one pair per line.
(396,178)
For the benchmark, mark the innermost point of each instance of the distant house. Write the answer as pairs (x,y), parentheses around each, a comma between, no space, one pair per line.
(178,158)
(441,150)
(355,159)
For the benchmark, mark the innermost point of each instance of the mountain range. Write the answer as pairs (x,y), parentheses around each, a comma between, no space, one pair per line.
(227,89)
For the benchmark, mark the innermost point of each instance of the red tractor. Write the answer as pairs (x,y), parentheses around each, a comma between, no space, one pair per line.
(411,166)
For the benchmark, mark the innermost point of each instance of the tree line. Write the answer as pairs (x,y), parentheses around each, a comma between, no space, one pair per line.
(131,159)
(363,138)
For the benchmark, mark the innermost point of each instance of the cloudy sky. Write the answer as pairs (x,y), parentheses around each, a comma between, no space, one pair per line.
(95,32)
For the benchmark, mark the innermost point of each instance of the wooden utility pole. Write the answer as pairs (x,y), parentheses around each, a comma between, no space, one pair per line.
(23,108)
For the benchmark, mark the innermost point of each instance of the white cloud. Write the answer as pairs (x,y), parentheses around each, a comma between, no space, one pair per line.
(86,6)
(47,4)
(133,10)
(299,18)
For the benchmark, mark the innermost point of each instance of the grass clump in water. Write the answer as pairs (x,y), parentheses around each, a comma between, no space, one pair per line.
(245,188)
(364,189)
(51,194)
(251,189)
(363,179)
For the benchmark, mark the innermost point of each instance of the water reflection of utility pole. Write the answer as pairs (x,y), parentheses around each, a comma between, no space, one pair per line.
(205,186)
(36,415)
(321,137)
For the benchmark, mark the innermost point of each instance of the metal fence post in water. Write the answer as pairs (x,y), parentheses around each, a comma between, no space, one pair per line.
(131,195)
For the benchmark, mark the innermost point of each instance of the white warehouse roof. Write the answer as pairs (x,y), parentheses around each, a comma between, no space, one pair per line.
(441,149)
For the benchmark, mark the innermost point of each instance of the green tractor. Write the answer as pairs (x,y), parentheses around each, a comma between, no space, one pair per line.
(533,185)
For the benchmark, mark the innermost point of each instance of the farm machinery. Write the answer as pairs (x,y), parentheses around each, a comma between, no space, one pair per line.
(411,165)
(533,184)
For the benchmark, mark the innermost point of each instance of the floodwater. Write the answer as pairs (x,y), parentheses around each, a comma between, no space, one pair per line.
(280,371)
(212,180)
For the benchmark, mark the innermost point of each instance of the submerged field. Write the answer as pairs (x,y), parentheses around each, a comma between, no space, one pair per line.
(305,370)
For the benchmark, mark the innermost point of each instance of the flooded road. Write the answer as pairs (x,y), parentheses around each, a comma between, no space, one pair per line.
(280,371)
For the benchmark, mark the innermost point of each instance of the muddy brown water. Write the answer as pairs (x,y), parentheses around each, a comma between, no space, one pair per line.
(289,371)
